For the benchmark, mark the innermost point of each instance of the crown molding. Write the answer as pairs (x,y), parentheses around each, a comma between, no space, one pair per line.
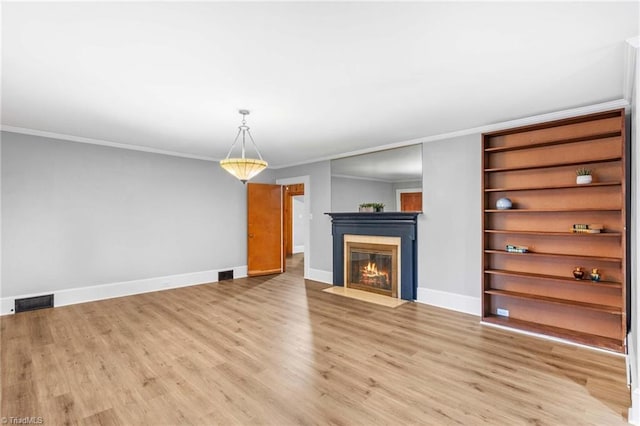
(630,74)
(371,179)
(391,181)
(92,141)
(535,119)
(541,118)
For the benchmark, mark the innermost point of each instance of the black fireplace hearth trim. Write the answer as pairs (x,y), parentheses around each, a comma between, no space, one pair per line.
(384,224)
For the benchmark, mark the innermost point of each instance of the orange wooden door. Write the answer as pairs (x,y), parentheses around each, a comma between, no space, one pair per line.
(264,227)
(411,201)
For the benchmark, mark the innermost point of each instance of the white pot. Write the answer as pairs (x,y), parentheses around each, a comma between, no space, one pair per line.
(584,179)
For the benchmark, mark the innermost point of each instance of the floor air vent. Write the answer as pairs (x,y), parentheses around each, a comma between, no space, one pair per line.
(33,303)
(225,275)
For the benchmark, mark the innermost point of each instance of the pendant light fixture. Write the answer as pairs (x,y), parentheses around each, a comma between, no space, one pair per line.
(243,168)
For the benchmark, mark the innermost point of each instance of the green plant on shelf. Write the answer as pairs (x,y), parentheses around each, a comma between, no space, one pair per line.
(583,171)
(371,207)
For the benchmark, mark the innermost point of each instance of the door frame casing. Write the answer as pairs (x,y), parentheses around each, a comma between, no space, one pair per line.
(306,180)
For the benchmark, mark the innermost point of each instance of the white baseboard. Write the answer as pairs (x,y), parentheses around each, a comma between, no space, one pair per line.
(455,302)
(319,275)
(634,410)
(72,296)
(298,249)
(632,363)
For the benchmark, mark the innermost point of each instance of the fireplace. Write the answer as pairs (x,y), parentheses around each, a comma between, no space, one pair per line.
(360,231)
(371,263)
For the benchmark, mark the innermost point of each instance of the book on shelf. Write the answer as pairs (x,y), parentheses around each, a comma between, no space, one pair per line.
(517,249)
(586,231)
(587,226)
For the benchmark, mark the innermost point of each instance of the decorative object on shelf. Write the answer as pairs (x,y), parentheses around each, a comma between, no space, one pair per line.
(504,203)
(578,273)
(243,168)
(583,228)
(517,249)
(365,207)
(583,176)
(595,274)
(371,207)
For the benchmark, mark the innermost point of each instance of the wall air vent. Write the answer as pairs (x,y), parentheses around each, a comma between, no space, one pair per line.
(33,303)
(225,275)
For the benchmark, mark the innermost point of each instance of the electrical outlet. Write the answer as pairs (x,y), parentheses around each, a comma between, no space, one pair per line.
(502,312)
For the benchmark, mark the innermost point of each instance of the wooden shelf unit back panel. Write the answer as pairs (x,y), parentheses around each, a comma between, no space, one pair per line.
(554,221)
(609,296)
(587,245)
(603,172)
(586,151)
(538,288)
(562,316)
(572,129)
(554,266)
(601,197)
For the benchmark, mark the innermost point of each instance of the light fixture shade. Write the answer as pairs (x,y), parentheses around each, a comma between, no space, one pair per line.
(243,168)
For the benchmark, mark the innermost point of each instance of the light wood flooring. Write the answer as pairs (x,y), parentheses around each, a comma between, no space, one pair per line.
(278,350)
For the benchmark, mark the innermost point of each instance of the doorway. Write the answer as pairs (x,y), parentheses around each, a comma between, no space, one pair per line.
(296,223)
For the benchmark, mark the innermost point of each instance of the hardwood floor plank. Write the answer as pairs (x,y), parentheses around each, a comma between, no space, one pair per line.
(277,350)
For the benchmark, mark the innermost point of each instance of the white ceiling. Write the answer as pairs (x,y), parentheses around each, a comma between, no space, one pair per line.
(321,79)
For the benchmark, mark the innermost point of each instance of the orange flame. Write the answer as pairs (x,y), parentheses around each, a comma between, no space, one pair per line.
(371,269)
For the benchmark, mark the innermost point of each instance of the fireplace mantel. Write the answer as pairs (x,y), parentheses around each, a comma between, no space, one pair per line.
(386,224)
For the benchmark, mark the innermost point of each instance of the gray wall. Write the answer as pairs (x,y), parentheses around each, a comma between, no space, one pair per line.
(449,231)
(320,246)
(76,215)
(299,225)
(347,194)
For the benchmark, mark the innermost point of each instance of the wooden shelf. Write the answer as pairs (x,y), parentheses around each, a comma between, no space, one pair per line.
(553,165)
(584,209)
(569,280)
(555,234)
(539,188)
(557,255)
(561,333)
(536,164)
(533,145)
(613,310)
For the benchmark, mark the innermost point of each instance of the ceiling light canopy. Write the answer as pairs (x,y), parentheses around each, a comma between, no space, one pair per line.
(243,168)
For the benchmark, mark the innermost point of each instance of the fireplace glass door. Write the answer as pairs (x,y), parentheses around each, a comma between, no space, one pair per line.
(373,267)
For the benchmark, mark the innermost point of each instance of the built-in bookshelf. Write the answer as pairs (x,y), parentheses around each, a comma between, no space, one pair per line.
(555,225)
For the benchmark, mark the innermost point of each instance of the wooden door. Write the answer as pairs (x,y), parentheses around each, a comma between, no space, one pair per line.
(264,227)
(290,191)
(411,201)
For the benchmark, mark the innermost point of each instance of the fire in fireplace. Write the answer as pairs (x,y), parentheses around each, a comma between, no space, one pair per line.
(372,267)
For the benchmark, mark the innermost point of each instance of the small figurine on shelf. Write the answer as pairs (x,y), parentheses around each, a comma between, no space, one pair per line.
(504,203)
(595,275)
(578,273)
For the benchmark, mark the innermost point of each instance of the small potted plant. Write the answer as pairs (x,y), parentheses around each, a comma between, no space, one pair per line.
(366,207)
(378,207)
(583,176)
